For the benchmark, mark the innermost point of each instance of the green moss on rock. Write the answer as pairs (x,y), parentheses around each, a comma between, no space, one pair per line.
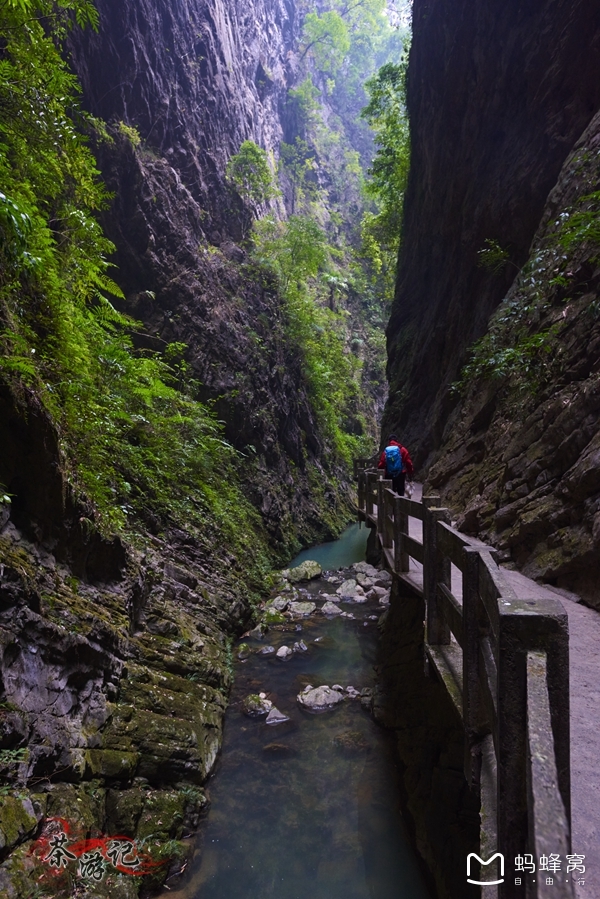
(111,764)
(17,820)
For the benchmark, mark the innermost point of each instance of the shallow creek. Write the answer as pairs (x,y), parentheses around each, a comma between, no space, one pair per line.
(310,807)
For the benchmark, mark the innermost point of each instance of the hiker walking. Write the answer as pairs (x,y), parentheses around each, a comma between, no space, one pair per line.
(397,463)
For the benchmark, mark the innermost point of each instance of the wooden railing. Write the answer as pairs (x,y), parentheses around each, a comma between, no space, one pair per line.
(504,661)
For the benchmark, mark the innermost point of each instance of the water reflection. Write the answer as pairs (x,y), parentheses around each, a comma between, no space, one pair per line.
(350,547)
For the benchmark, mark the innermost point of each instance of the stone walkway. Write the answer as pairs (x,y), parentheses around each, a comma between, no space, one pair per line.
(584,645)
(584,656)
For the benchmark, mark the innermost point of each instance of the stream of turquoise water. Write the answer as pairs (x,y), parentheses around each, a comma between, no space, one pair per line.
(310,807)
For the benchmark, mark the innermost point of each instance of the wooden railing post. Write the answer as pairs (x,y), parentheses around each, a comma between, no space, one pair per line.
(361,491)
(372,477)
(382,485)
(436,569)
(472,710)
(388,511)
(380,509)
(401,558)
(522,630)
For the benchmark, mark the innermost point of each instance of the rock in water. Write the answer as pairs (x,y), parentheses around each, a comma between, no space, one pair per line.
(383,579)
(366,569)
(276,717)
(351,590)
(363,580)
(254,705)
(258,632)
(279,604)
(330,608)
(300,646)
(351,741)
(319,699)
(271,616)
(284,652)
(304,572)
(302,608)
(266,651)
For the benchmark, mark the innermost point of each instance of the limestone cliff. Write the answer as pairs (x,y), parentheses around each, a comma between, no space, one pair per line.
(114,654)
(498,93)
(519,457)
(194,80)
(114,669)
(498,97)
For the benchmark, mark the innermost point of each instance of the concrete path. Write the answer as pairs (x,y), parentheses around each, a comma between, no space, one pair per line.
(584,630)
(584,656)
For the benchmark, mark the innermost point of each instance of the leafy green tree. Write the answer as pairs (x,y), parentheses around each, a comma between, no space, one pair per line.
(297,162)
(386,114)
(249,172)
(303,105)
(327,37)
(296,249)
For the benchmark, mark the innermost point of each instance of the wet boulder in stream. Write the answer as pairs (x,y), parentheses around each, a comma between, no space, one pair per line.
(306,571)
(256,704)
(301,609)
(330,608)
(364,568)
(319,699)
(276,717)
(279,604)
(350,590)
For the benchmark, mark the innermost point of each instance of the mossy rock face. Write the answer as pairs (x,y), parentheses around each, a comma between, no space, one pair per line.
(18,820)
(18,872)
(111,764)
(123,810)
(163,815)
(82,805)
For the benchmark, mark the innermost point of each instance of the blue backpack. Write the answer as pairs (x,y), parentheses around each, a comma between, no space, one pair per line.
(393,461)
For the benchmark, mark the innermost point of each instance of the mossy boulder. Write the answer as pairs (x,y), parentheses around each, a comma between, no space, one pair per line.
(279,604)
(243,651)
(272,616)
(304,572)
(302,609)
(255,705)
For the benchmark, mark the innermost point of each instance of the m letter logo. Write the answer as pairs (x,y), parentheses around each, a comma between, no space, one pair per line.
(483,883)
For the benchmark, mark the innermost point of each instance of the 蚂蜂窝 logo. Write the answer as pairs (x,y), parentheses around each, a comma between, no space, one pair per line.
(474,856)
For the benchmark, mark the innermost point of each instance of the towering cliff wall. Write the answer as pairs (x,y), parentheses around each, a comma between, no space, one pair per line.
(115,653)
(498,93)
(195,80)
(499,97)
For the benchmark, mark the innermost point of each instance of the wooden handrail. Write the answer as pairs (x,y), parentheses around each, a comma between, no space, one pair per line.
(512,675)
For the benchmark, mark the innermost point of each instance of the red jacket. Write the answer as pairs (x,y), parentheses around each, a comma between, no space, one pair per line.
(408,466)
